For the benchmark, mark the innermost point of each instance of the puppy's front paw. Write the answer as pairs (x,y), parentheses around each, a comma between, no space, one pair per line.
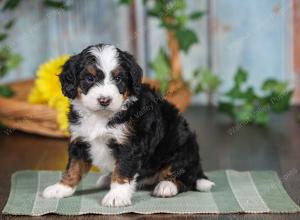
(116,200)
(119,195)
(165,189)
(58,190)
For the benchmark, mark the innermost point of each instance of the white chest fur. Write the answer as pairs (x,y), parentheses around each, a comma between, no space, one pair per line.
(94,130)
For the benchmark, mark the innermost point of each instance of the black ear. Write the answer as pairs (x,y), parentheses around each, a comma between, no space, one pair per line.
(68,78)
(136,72)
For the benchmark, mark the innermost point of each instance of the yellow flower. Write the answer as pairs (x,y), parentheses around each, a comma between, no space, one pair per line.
(47,90)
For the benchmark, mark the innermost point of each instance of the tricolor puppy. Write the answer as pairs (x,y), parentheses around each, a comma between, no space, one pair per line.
(125,128)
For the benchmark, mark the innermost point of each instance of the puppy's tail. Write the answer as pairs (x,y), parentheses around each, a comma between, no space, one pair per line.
(203,184)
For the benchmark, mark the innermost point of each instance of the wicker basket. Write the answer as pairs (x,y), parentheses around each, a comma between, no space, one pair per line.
(17,113)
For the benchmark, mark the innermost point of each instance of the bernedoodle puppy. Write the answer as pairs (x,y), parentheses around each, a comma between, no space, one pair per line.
(126,129)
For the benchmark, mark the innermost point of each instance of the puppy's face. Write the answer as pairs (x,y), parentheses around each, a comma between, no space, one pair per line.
(101,78)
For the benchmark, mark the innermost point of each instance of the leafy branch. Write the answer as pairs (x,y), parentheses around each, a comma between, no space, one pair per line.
(172,17)
(246,106)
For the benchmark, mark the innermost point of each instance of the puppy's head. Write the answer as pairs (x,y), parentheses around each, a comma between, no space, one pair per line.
(101,78)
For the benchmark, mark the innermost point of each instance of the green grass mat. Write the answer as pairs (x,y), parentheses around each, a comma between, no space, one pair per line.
(235,192)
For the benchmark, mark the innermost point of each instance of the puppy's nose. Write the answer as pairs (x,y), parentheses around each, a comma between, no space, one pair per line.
(104,101)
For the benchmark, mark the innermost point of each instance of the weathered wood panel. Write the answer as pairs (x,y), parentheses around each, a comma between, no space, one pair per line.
(255,35)
(41,34)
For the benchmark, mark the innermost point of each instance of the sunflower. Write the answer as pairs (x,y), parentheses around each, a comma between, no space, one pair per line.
(47,90)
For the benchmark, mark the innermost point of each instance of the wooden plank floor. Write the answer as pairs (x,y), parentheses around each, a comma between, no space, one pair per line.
(275,147)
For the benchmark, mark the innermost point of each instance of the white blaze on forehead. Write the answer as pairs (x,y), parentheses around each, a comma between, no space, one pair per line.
(106,57)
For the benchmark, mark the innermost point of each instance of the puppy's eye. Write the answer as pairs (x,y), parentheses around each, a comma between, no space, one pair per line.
(118,78)
(90,79)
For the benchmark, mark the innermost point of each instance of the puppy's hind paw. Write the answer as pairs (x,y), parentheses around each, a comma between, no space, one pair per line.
(165,189)
(204,185)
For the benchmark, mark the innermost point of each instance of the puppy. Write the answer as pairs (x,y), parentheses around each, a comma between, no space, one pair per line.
(125,128)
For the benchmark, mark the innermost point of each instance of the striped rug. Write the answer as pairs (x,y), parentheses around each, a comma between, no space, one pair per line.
(235,192)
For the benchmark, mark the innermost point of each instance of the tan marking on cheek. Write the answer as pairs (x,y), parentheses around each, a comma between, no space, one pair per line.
(117,178)
(79,92)
(125,95)
(75,171)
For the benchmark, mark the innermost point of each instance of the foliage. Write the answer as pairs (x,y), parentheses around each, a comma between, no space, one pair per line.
(207,81)
(173,17)
(161,66)
(6,91)
(244,105)
(9,60)
(13,4)
(298,118)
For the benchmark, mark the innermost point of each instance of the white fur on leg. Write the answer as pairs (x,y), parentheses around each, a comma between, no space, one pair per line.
(165,189)
(204,185)
(58,190)
(119,194)
(104,181)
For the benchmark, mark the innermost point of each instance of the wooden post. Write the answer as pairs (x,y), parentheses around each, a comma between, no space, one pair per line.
(176,82)
(173,45)
(296,8)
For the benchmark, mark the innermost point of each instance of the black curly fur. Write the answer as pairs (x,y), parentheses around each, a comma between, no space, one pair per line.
(161,138)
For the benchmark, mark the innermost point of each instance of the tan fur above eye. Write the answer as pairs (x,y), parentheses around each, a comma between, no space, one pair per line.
(116,71)
(91,69)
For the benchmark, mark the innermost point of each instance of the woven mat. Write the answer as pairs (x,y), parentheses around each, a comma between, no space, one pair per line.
(235,192)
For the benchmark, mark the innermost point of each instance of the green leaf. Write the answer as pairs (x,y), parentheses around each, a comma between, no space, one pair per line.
(157,10)
(13,61)
(196,72)
(8,60)
(240,76)
(234,93)
(126,2)
(196,15)
(210,81)
(298,118)
(9,24)
(186,38)
(206,81)
(226,107)
(269,84)
(3,36)
(181,20)
(261,117)
(198,89)
(161,67)
(55,4)
(249,95)
(244,113)
(6,91)
(274,86)
(10,4)
(281,103)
